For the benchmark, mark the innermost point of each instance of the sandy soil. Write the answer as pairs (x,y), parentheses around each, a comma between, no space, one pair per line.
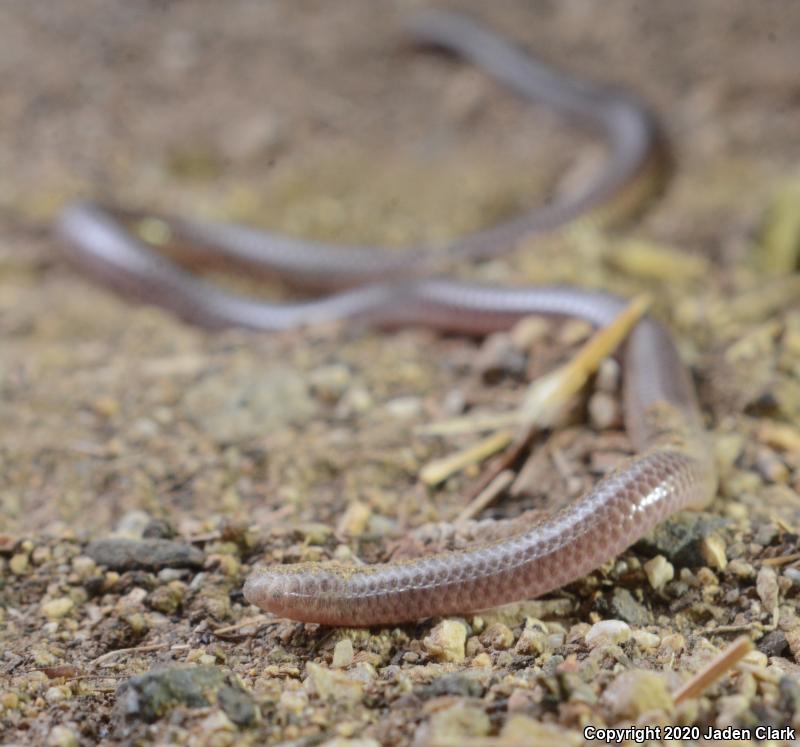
(318,119)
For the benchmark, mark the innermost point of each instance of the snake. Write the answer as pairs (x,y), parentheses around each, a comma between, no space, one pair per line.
(673,466)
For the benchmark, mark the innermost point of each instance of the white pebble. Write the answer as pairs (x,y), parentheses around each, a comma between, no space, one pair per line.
(607,633)
(342,654)
(659,571)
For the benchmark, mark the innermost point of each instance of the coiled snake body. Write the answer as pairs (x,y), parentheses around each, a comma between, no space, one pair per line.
(673,470)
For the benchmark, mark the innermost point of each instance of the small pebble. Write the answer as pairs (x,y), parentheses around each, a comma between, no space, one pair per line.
(707,577)
(608,633)
(624,606)
(636,692)
(793,574)
(712,548)
(447,641)
(604,411)
(774,643)
(659,571)
(741,568)
(474,647)
(167,599)
(459,720)
(41,555)
(62,736)
(458,684)
(293,701)
(354,520)
(227,564)
(158,529)
(498,357)
(728,448)
(771,467)
(356,400)
(333,684)
(18,563)
(497,636)
(608,376)
(454,403)
(55,609)
(314,533)
(132,524)
(330,382)
(9,701)
(56,694)
(527,332)
(44,657)
(672,644)
(342,654)
(766,534)
(792,636)
(217,729)
(646,640)
(767,588)
(143,429)
(755,658)
(532,641)
(404,408)
(84,566)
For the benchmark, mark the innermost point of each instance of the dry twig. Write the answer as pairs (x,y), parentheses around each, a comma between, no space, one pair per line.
(717,668)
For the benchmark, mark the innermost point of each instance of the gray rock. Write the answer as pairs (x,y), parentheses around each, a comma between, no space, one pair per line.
(765,534)
(678,539)
(452,684)
(623,606)
(774,643)
(148,697)
(120,554)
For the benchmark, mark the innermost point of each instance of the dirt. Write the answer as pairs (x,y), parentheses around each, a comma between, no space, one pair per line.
(196,455)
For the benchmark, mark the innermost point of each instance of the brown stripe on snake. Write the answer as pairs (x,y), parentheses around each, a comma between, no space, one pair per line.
(674,469)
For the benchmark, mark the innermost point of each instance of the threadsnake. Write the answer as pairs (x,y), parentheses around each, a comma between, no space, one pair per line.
(673,468)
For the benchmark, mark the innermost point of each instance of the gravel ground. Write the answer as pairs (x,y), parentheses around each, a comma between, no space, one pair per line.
(145,466)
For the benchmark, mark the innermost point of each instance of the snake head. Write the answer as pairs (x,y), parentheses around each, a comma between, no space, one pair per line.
(301,591)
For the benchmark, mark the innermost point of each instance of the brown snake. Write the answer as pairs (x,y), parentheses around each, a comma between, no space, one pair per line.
(674,468)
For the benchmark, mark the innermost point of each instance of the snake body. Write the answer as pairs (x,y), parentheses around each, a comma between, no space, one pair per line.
(674,468)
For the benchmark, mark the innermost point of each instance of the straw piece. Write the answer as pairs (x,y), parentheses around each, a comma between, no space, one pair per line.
(440,469)
(717,668)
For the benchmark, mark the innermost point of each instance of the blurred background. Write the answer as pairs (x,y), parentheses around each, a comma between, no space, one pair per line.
(319,119)
(310,116)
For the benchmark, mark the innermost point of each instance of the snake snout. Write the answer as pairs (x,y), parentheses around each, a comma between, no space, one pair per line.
(271,590)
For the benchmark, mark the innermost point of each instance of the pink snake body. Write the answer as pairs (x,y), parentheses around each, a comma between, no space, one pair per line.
(673,470)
